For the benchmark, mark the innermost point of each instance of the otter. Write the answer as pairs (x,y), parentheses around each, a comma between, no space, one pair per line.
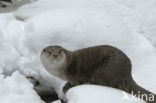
(100,65)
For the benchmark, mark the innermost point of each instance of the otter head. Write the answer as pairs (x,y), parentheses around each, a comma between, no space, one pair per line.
(53,59)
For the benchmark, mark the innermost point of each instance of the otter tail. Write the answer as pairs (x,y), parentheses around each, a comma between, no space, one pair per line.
(136,90)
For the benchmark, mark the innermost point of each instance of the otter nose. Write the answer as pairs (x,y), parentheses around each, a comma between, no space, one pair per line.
(55,55)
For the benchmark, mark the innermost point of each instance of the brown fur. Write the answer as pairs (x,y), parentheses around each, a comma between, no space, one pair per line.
(102,65)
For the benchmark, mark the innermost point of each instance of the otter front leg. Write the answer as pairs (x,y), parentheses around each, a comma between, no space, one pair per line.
(67,87)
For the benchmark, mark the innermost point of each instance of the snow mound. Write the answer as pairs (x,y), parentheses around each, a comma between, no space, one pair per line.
(98,94)
(17,89)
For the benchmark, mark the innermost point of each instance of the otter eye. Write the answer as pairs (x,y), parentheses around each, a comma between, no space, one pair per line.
(44,50)
(59,51)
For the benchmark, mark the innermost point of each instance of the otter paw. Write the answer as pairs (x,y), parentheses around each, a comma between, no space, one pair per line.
(67,87)
(33,81)
(62,101)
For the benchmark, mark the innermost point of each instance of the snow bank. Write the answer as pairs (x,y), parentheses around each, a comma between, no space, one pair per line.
(17,89)
(141,17)
(17,55)
(98,94)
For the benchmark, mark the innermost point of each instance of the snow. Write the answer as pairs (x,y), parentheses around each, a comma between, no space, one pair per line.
(126,24)
(17,89)
(80,93)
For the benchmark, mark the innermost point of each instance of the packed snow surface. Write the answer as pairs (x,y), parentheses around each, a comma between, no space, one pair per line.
(129,25)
